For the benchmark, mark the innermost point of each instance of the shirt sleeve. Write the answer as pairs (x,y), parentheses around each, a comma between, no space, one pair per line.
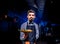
(21,33)
(37,31)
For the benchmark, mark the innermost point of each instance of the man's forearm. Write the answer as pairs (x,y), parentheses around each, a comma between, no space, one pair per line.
(22,36)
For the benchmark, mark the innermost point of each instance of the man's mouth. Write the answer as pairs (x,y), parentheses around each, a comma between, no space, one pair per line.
(31,18)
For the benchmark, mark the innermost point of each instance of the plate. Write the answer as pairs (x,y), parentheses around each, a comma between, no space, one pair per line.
(26,31)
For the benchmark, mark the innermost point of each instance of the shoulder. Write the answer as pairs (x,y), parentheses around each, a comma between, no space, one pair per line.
(24,23)
(35,24)
(23,26)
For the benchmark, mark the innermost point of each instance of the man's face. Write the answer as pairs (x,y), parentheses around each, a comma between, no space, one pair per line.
(31,16)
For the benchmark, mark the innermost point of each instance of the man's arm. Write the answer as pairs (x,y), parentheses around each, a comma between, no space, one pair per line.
(37,31)
(23,26)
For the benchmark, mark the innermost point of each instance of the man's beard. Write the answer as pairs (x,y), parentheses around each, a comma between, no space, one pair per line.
(31,20)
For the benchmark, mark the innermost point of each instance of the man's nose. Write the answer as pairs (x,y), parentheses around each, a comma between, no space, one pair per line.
(31,17)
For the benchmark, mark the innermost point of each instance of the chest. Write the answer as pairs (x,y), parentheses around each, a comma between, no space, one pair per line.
(30,26)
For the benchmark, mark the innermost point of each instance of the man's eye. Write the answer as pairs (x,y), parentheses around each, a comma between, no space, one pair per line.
(29,15)
(32,15)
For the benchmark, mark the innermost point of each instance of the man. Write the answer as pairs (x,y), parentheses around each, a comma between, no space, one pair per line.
(34,35)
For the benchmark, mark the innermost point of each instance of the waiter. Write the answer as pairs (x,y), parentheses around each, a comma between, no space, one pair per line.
(30,24)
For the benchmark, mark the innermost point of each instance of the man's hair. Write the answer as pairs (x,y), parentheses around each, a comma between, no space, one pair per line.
(30,11)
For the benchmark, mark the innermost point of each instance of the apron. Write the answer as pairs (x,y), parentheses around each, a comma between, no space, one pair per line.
(31,36)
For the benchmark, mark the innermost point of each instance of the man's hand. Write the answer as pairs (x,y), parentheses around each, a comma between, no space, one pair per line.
(25,35)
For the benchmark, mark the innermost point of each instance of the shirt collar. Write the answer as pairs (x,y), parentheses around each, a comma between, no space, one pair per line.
(29,22)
